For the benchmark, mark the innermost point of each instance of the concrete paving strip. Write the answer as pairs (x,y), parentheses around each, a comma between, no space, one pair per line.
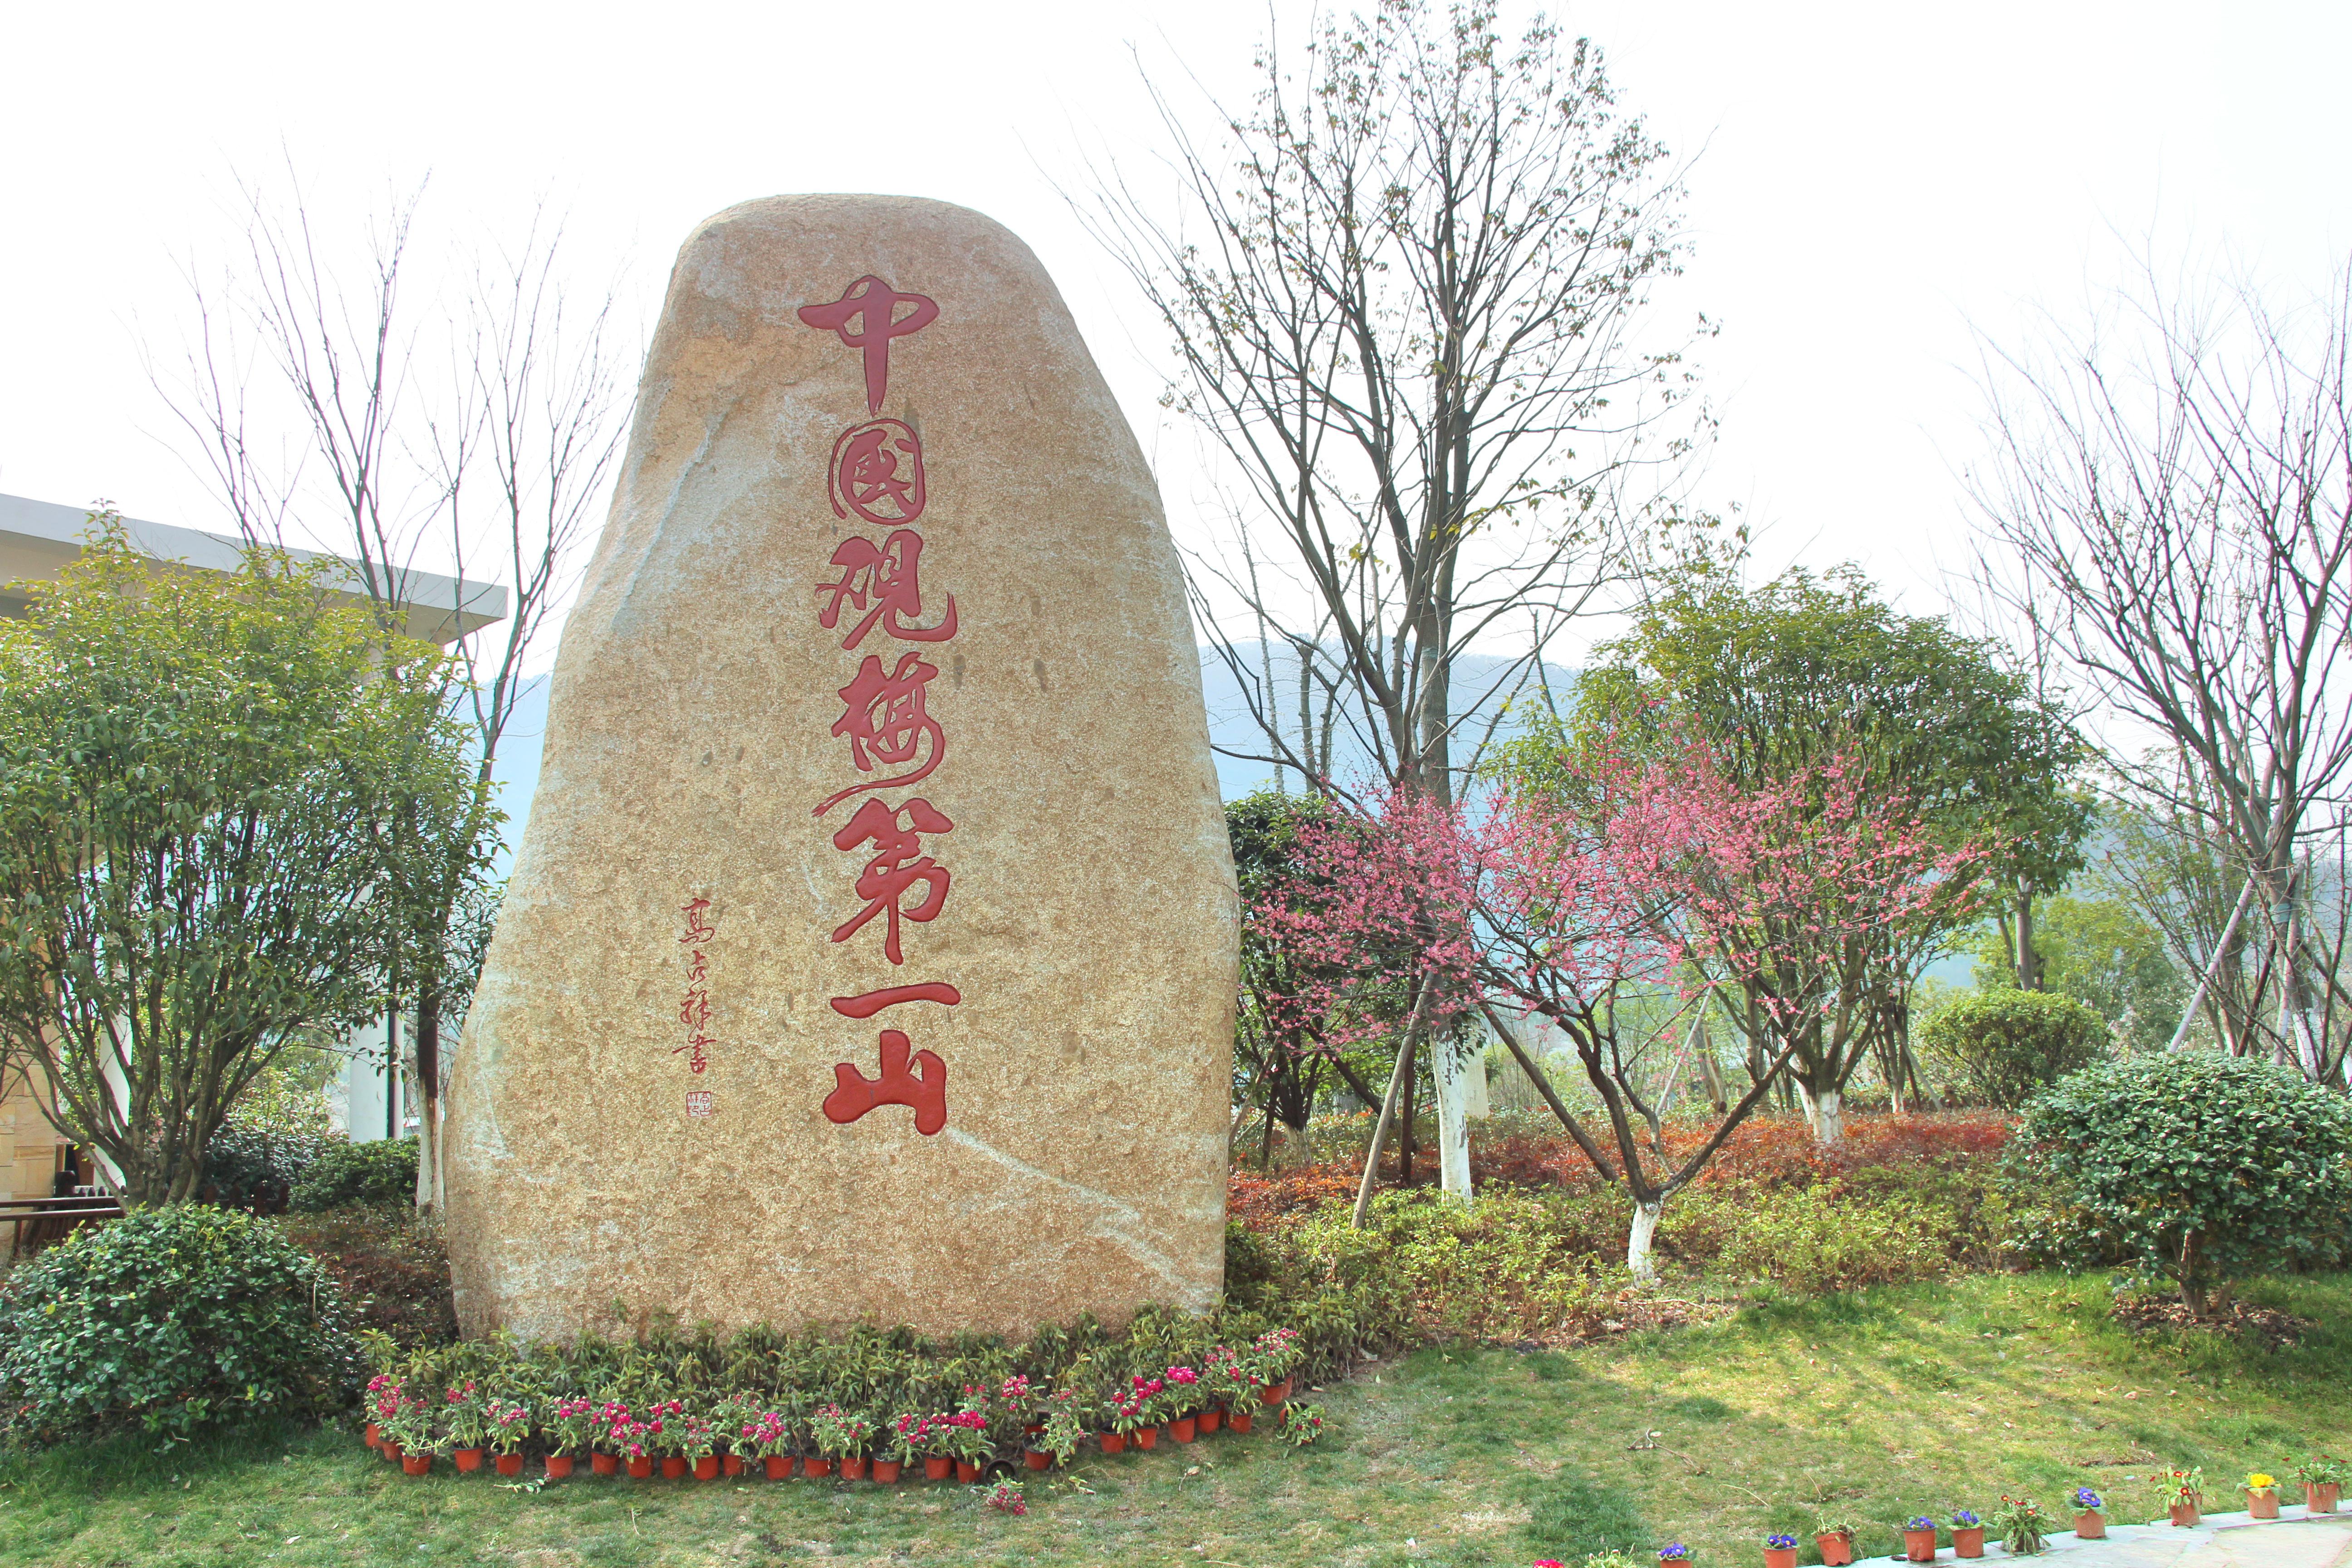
(2293,1540)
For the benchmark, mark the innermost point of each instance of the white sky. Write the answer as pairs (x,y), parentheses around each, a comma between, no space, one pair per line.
(1874,181)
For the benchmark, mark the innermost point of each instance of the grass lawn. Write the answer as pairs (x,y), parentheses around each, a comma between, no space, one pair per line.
(1874,1404)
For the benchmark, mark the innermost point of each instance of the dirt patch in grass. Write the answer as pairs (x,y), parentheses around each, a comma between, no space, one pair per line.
(2271,1329)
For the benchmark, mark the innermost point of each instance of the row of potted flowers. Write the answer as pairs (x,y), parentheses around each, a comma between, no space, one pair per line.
(2023,1528)
(737,1434)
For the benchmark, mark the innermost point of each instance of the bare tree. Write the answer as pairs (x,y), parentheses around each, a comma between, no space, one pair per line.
(2173,512)
(1402,294)
(474,442)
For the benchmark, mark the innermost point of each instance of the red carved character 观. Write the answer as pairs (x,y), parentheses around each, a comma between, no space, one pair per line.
(925,1089)
(885,720)
(873,305)
(878,473)
(898,864)
(890,575)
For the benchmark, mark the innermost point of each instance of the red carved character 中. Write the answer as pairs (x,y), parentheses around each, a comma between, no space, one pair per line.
(878,473)
(898,864)
(885,720)
(925,1089)
(873,305)
(890,575)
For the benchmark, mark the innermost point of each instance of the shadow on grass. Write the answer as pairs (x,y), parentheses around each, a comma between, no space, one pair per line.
(128,1464)
(1571,1517)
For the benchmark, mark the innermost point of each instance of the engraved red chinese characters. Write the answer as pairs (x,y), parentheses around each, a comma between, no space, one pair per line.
(873,305)
(925,1089)
(898,864)
(885,719)
(878,473)
(889,575)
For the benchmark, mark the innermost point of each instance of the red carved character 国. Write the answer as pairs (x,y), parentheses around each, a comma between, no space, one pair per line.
(878,473)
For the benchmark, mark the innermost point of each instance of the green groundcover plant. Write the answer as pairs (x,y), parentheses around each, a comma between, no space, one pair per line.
(2198,1169)
(170,1321)
(379,1173)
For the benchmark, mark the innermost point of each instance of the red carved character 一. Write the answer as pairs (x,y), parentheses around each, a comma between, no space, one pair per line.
(885,720)
(866,318)
(925,1089)
(898,864)
(878,473)
(890,575)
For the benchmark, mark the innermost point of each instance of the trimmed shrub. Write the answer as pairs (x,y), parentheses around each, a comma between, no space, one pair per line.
(257,1168)
(2002,1047)
(379,1173)
(170,1321)
(2200,1169)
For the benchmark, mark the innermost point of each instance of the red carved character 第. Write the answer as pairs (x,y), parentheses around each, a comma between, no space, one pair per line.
(898,864)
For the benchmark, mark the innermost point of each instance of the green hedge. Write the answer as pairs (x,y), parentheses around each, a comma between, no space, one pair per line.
(379,1173)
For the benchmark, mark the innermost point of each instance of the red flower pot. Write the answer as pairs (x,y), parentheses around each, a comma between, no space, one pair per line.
(885,1471)
(374,1434)
(1274,1394)
(1180,1429)
(2321,1499)
(853,1466)
(967,1472)
(1114,1442)
(2090,1525)
(1037,1459)
(416,1464)
(1239,1421)
(1837,1551)
(604,1464)
(1919,1546)
(468,1461)
(1779,1557)
(559,1466)
(2185,1515)
(778,1466)
(673,1467)
(639,1470)
(732,1464)
(1211,1419)
(390,1450)
(706,1468)
(510,1464)
(1969,1542)
(2263,1504)
(938,1468)
(1145,1437)
(813,1466)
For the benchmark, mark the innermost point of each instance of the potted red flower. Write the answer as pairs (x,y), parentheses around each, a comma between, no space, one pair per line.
(1232,1380)
(2322,1483)
(1277,1354)
(466,1418)
(2184,1497)
(901,1444)
(567,1430)
(410,1436)
(1179,1398)
(840,1438)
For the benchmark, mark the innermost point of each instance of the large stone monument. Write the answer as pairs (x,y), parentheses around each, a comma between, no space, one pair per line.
(870,951)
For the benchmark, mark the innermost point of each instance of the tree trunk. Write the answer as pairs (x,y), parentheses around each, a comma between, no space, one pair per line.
(2029,960)
(1405,1141)
(1825,1112)
(1638,1259)
(428,1099)
(1397,1078)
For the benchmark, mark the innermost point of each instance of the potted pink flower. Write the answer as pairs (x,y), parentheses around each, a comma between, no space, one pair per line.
(966,1442)
(464,1416)
(1277,1354)
(509,1423)
(569,1430)
(840,1438)
(1232,1379)
(1143,1427)
(901,1442)
(1179,1400)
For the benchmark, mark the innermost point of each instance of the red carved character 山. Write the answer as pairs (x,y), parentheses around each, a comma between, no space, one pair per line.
(885,720)
(925,1090)
(873,305)
(898,864)
(890,575)
(878,473)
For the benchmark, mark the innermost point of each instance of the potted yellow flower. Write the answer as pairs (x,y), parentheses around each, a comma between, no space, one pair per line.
(2262,1495)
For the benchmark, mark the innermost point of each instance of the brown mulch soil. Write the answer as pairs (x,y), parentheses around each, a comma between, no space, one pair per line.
(2275,1330)
(392,1269)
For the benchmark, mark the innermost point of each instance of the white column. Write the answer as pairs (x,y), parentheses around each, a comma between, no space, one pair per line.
(1450,1064)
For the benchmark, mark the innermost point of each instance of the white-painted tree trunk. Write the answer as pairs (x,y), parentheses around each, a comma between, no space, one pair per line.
(1825,1113)
(1451,1065)
(1638,1260)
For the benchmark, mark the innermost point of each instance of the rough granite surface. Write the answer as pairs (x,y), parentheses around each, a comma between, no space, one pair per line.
(1089,924)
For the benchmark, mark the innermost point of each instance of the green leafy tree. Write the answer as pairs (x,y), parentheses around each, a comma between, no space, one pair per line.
(2003,1046)
(2103,953)
(197,868)
(1807,672)
(2205,1169)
